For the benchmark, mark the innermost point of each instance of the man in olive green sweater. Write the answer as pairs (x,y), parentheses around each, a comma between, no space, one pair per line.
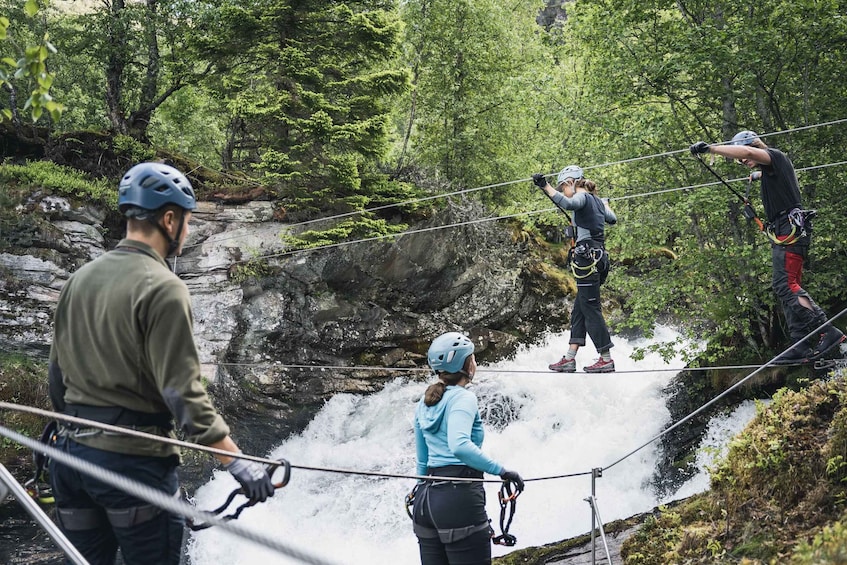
(123,353)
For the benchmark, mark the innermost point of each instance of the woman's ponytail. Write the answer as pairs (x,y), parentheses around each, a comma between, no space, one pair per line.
(434,392)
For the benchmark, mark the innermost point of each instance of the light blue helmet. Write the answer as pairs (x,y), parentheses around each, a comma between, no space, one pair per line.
(745,137)
(449,351)
(569,172)
(150,186)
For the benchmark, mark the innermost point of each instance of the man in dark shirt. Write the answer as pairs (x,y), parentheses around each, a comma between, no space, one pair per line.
(123,353)
(790,231)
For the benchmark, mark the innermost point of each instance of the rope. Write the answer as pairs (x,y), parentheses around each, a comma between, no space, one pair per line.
(478,371)
(727,391)
(506,183)
(589,167)
(477,221)
(159,498)
(195,446)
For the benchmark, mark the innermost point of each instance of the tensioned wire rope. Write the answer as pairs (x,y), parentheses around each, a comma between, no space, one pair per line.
(470,222)
(276,463)
(178,507)
(168,503)
(162,500)
(507,183)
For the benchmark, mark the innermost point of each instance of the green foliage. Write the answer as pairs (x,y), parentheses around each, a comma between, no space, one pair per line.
(307,88)
(253,268)
(828,546)
(474,116)
(132,149)
(44,175)
(653,543)
(29,70)
(191,122)
(628,85)
(22,381)
(363,227)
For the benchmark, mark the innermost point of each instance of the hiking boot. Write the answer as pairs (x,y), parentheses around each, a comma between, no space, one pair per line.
(564,365)
(828,340)
(601,366)
(797,355)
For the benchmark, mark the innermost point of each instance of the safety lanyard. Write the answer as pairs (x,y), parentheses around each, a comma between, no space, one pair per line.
(748,211)
(217,511)
(38,486)
(508,499)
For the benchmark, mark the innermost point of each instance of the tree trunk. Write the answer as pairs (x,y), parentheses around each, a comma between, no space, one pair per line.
(115,65)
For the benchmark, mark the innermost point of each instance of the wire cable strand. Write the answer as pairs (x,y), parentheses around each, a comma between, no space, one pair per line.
(160,499)
(471,222)
(726,392)
(506,183)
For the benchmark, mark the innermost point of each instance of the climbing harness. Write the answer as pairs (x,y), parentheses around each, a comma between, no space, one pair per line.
(508,502)
(508,499)
(748,211)
(799,219)
(801,224)
(194,526)
(584,258)
(38,487)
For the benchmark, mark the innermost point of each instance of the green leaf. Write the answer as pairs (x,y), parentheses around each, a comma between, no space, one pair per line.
(31,7)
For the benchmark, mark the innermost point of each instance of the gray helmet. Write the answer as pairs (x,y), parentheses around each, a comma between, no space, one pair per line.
(449,351)
(745,137)
(150,186)
(569,172)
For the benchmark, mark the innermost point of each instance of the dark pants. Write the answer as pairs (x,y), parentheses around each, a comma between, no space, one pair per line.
(83,504)
(787,277)
(587,314)
(453,505)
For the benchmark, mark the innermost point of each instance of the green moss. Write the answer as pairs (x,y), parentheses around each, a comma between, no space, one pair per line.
(55,179)
(781,484)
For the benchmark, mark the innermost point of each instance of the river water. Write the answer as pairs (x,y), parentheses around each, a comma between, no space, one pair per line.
(538,423)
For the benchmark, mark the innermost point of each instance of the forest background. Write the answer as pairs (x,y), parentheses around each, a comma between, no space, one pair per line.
(371,112)
(332,108)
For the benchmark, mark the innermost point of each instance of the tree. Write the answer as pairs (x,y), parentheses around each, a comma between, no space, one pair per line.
(479,73)
(308,87)
(30,68)
(658,75)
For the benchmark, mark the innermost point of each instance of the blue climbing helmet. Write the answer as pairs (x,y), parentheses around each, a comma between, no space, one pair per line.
(745,137)
(449,351)
(569,172)
(150,186)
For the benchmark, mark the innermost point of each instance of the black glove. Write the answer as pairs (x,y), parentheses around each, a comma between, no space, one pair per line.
(513,477)
(255,481)
(539,180)
(699,147)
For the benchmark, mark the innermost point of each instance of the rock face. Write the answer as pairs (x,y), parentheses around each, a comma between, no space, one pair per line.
(279,331)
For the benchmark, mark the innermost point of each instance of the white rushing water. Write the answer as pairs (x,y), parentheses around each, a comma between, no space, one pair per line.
(557,424)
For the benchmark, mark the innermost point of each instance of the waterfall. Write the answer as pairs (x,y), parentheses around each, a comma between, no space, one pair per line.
(540,424)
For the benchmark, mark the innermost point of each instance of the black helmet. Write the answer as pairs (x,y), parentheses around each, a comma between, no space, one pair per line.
(150,186)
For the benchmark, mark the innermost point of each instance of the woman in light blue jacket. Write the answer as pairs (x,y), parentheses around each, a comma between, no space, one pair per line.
(449,516)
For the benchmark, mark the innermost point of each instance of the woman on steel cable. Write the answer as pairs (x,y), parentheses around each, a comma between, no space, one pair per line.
(589,263)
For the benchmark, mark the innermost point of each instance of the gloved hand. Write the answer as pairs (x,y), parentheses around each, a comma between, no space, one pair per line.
(539,180)
(254,480)
(699,147)
(513,477)
(756,175)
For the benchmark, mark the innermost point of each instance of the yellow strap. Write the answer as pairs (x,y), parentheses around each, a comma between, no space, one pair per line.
(790,240)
